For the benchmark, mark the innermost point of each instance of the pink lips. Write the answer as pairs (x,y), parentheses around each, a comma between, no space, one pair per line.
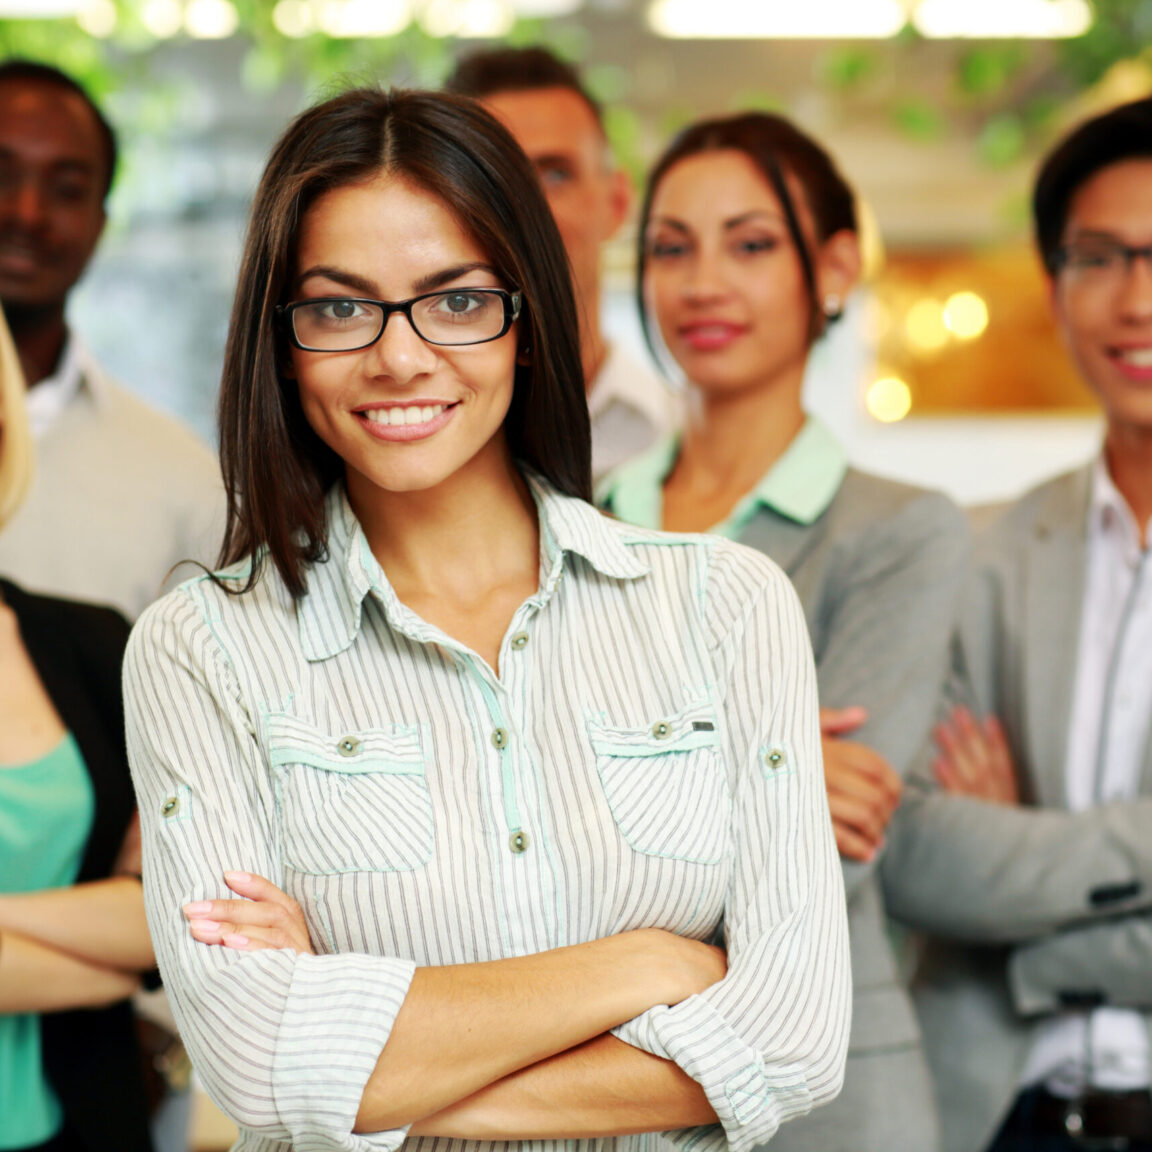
(710,336)
(410,429)
(1133,361)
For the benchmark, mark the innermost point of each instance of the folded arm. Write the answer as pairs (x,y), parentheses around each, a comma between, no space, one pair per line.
(35,977)
(884,647)
(101,923)
(398,1042)
(1109,962)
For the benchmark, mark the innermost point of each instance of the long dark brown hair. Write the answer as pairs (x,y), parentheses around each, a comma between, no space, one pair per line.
(276,469)
(778,149)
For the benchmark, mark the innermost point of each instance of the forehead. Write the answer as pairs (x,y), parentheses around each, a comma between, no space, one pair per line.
(716,185)
(47,124)
(548,121)
(386,221)
(1116,199)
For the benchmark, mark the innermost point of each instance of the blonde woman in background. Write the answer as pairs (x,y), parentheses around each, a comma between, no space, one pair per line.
(73,941)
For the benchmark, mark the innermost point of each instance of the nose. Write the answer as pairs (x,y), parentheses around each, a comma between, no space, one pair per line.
(704,279)
(400,354)
(22,202)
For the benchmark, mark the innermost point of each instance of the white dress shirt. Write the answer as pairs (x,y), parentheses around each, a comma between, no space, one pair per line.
(630,408)
(649,755)
(1107,733)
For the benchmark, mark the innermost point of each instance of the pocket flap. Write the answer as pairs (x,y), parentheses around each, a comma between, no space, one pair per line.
(682,731)
(397,749)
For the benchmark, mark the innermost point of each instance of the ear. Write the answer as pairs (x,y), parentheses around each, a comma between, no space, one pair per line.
(524,355)
(619,200)
(838,265)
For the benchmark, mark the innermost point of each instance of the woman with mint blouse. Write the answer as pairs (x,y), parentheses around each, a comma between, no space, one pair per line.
(747,251)
(73,940)
(512,767)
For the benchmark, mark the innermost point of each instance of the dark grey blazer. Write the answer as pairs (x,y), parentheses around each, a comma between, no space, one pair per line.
(879,574)
(1033,905)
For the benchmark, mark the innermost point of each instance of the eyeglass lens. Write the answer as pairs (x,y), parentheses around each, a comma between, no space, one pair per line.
(1104,260)
(462,316)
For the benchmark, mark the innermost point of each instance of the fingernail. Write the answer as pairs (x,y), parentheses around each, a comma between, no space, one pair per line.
(198,908)
(238,877)
(205,926)
(234,940)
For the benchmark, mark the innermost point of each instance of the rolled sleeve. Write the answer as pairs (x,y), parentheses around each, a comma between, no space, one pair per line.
(284,1043)
(768,1042)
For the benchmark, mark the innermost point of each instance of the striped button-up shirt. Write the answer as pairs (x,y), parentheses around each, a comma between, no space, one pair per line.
(648,756)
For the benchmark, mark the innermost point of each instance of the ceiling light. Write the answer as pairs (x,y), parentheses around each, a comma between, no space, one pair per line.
(294,18)
(348,19)
(97,18)
(38,9)
(535,8)
(163,18)
(210,19)
(808,19)
(997,19)
(474,19)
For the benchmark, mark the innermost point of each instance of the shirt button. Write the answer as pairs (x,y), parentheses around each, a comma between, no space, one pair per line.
(661,730)
(170,806)
(520,639)
(500,739)
(349,746)
(774,758)
(518,842)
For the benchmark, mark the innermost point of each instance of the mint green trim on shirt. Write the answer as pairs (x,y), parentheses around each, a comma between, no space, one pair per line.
(46,811)
(799,486)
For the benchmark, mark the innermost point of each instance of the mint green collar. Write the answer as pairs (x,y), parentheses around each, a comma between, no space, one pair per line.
(799,486)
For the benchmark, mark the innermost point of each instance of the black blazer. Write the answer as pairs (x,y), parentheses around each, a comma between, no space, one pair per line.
(91,1056)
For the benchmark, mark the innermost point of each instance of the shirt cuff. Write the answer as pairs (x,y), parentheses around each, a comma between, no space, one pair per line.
(337,1019)
(750,1098)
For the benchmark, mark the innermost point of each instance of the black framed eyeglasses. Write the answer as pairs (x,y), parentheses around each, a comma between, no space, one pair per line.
(1099,260)
(348,323)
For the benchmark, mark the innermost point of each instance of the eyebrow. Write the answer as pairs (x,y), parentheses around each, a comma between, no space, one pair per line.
(366,287)
(734,222)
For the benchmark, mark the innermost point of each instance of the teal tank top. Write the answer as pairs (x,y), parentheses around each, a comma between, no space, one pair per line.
(46,813)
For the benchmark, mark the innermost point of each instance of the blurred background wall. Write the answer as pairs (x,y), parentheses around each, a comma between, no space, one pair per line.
(946,370)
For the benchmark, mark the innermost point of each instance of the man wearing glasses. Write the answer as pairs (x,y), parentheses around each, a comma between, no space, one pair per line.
(1029,858)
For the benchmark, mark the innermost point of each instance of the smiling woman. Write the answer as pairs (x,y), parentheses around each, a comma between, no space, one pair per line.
(508,767)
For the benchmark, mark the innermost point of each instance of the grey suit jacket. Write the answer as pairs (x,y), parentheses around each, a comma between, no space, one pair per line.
(1031,907)
(879,574)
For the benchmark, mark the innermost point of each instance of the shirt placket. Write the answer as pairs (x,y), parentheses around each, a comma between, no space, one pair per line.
(519,853)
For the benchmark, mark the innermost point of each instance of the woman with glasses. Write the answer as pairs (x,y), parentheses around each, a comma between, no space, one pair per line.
(73,940)
(511,766)
(748,252)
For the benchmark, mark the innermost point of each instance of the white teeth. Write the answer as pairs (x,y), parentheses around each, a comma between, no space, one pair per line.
(413,414)
(1137,357)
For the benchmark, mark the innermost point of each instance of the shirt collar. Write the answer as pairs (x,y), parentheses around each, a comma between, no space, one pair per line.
(76,372)
(1109,515)
(622,380)
(800,485)
(329,613)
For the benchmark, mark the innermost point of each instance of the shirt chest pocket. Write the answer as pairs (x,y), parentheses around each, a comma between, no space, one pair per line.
(665,784)
(354,801)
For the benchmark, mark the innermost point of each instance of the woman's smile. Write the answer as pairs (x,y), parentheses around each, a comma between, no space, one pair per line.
(406,420)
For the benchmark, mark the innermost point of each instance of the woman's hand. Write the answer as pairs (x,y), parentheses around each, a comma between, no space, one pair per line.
(265,918)
(974,759)
(863,788)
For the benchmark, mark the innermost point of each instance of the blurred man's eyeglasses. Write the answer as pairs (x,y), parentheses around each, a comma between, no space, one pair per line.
(1103,263)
